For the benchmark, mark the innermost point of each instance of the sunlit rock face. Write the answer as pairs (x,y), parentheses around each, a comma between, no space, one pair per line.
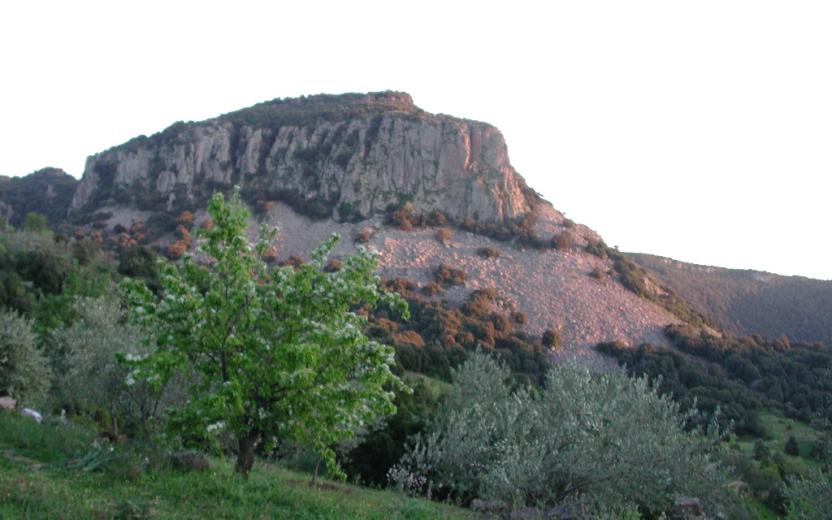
(346,157)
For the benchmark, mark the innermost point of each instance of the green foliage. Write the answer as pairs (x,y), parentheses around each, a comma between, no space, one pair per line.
(94,379)
(140,262)
(742,376)
(606,438)
(794,377)
(24,372)
(277,354)
(384,445)
(35,223)
(808,498)
(40,276)
(690,381)
(81,481)
(44,443)
(791,447)
(48,191)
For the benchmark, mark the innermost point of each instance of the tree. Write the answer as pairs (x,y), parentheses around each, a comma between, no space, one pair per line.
(808,497)
(24,372)
(277,354)
(551,338)
(93,377)
(34,222)
(792,447)
(604,439)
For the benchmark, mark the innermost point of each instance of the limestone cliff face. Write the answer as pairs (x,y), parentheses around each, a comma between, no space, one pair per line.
(346,157)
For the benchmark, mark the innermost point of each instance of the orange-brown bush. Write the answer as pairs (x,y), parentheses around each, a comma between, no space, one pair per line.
(408,337)
(363,236)
(270,254)
(446,275)
(488,252)
(177,249)
(563,241)
(443,235)
(186,218)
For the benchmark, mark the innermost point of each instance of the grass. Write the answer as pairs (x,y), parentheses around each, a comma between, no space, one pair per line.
(57,490)
(778,430)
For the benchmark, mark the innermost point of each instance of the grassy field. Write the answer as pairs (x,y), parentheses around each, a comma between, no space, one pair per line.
(779,429)
(51,472)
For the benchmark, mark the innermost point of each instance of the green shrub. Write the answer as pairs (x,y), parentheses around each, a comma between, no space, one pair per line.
(808,498)
(95,379)
(607,439)
(24,372)
(792,447)
(34,223)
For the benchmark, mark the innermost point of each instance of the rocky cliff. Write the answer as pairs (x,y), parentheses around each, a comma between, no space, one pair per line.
(338,164)
(345,157)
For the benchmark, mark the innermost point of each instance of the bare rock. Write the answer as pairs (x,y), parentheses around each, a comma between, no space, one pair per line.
(32,414)
(7,403)
(343,157)
(687,508)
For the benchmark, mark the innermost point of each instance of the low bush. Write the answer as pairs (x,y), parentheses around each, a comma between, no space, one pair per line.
(24,372)
(551,338)
(446,275)
(604,439)
(488,252)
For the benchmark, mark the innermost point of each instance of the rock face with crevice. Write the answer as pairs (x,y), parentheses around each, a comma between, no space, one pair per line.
(346,157)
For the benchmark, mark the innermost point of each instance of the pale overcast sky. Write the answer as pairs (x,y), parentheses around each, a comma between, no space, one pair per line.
(697,130)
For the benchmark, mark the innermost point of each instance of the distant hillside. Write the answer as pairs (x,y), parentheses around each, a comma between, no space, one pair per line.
(750,302)
(425,191)
(48,191)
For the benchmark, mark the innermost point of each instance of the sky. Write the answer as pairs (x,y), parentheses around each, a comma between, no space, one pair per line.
(699,130)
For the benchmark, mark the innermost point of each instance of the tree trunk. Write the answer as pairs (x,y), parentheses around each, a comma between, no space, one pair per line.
(245,453)
(314,482)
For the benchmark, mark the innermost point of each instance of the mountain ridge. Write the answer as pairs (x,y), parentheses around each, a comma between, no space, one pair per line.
(377,166)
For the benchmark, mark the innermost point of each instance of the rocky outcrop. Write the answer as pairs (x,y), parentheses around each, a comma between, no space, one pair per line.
(346,157)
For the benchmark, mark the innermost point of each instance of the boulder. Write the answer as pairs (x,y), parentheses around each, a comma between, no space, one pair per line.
(687,508)
(7,403)
(32,414)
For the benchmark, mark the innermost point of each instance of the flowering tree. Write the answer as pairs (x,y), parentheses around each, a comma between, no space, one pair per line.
(277,354)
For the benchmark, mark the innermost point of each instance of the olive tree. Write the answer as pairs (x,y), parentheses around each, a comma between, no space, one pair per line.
(605,439)
(277,354)
(24,371)
(94,377)
(809,497)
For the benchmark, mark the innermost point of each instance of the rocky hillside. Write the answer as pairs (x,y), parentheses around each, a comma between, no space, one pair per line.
(750,302)
(342,157)
(423,190)
(47,191)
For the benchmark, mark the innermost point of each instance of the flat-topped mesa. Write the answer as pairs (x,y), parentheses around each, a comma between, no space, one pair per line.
(347,157)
